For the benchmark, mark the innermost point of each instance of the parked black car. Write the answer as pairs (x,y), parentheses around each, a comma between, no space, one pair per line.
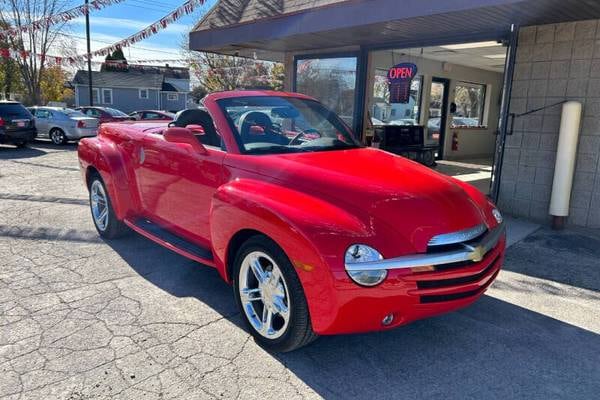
(17,125)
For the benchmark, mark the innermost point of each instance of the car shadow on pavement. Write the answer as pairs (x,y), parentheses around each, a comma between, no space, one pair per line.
(570,257)
(492,349)
(12,153)
(176,274)
(47,144)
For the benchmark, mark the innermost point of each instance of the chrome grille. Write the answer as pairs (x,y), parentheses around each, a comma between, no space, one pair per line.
(462,236)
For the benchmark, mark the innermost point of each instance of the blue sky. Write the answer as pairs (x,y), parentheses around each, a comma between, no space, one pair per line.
(121,20)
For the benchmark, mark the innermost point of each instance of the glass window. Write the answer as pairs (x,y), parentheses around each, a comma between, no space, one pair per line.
(172,97)
(273,125)
(151,115)
(43,114)
(143,93)
(114,112)
(332,81)
(96,95)
(73,113)
(384,113)
(13,110)
(469,99)
(107,96)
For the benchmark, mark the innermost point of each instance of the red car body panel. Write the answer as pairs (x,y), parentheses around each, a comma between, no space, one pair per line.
(313,205)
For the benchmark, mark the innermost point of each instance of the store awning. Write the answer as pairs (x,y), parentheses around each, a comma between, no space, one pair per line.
(250,28)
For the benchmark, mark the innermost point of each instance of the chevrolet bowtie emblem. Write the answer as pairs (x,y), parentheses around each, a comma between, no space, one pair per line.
(477,253)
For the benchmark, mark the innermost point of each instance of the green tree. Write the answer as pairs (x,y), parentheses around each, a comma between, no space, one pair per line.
(31,43)
(53,85)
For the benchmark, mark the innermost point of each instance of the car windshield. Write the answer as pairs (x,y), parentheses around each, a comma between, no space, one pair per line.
(73,113)
(114,112)
(273,125)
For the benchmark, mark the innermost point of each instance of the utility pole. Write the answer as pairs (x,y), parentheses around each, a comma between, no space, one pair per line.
(89,51)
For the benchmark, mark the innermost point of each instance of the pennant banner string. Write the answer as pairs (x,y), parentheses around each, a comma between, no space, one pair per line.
(59,18)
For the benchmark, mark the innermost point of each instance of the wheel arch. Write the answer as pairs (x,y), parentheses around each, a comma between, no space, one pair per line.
(234,244)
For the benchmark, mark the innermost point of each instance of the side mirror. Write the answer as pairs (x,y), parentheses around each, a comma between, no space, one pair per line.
(184,136)
(196,129)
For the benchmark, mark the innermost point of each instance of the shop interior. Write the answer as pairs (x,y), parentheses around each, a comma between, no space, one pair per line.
(452,108)
(455,97)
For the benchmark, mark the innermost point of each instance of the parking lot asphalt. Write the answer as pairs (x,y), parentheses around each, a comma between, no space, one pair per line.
(83,318)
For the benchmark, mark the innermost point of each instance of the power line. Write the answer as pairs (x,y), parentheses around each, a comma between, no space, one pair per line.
(107,42)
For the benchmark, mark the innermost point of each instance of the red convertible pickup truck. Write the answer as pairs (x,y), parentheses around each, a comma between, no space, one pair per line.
(317,234)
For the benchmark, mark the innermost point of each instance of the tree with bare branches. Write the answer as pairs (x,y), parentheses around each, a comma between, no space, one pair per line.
(216,72)
(31,43)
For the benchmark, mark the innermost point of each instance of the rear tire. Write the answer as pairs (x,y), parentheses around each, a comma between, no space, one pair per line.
(103,214)
(57,136)
(282,301)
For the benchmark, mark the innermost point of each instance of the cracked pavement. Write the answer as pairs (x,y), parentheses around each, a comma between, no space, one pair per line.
(84,318)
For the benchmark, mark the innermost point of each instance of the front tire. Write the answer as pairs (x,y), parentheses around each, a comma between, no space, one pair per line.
(57,136)
(103,215)
(270,296)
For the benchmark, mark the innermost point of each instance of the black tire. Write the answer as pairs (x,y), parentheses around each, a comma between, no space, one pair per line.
(114,228)
(299,331)
(57,136)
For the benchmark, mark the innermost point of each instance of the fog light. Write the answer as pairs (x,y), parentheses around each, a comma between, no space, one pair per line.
(387,320)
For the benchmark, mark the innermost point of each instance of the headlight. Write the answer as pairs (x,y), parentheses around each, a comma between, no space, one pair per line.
(497,215)
(359,253)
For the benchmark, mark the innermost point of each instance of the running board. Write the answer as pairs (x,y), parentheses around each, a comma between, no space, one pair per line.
(170,240)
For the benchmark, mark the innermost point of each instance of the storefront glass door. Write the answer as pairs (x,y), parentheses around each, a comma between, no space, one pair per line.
(438,111)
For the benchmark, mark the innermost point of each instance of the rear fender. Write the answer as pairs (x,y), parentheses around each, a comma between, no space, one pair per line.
(105,156)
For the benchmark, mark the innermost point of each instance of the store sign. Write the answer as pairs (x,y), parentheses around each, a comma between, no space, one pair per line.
(399,79)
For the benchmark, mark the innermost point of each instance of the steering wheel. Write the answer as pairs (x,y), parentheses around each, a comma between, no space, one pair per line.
(300,134)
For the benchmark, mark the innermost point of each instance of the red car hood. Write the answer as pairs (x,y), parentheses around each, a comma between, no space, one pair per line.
(406,197)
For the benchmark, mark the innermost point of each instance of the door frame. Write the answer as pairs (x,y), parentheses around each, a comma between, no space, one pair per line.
(444,115)
(509,68)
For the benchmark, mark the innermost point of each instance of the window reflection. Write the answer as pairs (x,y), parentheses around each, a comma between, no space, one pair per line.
(332,81)
(384,113)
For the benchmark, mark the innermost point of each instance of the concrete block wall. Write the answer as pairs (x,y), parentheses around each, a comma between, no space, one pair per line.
(554,62)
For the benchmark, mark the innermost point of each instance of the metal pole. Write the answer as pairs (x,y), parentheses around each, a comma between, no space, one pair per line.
(89,51)
(504,113)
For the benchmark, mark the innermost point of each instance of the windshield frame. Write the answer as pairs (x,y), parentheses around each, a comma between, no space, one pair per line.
(339,124)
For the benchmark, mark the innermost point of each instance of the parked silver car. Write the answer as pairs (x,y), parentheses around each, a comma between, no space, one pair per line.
(63,124)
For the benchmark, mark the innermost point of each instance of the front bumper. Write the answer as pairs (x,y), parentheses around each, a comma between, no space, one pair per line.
(455,278)
(468,251)
(16,136)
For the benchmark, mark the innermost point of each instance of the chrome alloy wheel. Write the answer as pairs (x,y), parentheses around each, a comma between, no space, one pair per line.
(264,295)
(99,204)
(57,136)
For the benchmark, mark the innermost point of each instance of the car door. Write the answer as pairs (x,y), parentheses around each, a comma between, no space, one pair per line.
(176,185)
(42,122)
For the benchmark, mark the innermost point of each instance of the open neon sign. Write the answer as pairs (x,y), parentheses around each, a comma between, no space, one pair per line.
(400,77)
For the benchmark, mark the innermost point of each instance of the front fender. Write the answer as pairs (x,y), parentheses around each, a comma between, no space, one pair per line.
(308,229)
